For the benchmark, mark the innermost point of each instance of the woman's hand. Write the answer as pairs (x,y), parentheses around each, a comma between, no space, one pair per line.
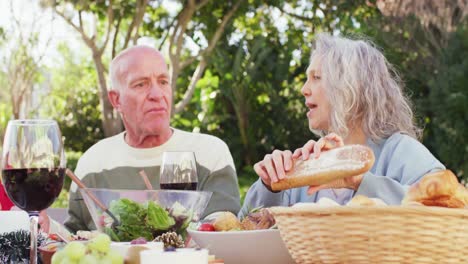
(274,166)
(43,219)
(328,142)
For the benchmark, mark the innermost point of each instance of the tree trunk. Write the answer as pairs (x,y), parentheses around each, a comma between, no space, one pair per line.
(111,121)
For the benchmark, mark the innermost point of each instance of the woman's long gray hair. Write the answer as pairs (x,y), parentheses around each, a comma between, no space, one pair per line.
(362,88)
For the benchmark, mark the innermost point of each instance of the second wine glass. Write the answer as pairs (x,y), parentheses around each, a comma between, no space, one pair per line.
(178,171)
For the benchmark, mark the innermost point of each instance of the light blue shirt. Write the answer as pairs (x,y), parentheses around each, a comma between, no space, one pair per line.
(400,161)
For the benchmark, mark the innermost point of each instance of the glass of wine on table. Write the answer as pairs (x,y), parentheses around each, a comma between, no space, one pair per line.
(178,171)
(33,166)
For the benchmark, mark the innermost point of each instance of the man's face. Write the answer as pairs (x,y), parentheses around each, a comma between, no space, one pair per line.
(144,97)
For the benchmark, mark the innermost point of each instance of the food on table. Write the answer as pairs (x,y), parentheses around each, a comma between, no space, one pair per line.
(138,241)
(147,220)
(258,218)
(133,254)
(333,164)
(439,188)
(261,219)
(96,250)
(361,200)
(206,227)
(85,235)
(226,221)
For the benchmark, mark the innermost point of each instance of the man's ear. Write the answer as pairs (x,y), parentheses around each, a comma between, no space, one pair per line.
(114,98)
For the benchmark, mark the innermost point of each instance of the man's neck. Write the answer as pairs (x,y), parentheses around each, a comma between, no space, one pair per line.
(147,141)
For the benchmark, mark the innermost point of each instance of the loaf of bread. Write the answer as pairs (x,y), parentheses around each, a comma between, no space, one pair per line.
(333,164)
(439,188)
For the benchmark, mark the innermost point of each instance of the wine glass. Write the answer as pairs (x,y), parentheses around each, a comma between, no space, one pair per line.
(178,171)
(33,166)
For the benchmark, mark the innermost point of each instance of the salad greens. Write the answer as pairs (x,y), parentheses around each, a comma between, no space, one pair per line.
(146,220)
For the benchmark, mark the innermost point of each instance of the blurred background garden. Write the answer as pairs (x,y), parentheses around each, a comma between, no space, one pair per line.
(237,66)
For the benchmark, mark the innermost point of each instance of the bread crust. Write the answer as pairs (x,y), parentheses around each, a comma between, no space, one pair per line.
(346,161)
(440,188)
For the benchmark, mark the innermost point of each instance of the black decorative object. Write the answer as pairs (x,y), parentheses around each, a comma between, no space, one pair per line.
(14,247)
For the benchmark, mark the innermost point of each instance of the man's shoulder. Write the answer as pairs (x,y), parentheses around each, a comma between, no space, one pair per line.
(92,158)
(103,146)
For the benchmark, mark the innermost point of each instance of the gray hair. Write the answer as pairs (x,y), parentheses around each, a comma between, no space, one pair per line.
(362,88)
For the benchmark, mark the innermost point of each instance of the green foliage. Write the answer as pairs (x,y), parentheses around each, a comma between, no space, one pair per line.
(435,74)
(246,179)
(72,160)
(74,101)
(447,130)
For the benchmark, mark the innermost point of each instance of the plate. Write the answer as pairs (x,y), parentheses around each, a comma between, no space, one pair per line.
(256,246)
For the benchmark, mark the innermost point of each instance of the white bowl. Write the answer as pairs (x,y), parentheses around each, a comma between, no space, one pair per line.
(257,246)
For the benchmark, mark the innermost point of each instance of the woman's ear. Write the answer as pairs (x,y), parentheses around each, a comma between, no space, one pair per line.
(114,98)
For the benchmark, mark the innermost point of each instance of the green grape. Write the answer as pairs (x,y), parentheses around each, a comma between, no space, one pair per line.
(89,259)
(101,243)
(105,260)
(69,261)
(75,250)
(115,257)
(58,257)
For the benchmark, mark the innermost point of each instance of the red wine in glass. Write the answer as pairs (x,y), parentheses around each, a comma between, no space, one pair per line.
(33,165)
(184,186)
(33,189)
(178,171)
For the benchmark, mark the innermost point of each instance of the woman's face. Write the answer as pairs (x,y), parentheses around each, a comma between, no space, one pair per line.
(315,98)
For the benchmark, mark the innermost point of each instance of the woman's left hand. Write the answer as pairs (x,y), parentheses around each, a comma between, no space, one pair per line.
(328,142)
(43,219)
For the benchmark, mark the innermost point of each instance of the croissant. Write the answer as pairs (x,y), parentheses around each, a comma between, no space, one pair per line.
(439,188)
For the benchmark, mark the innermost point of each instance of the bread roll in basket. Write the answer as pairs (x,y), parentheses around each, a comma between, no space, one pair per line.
(333,164)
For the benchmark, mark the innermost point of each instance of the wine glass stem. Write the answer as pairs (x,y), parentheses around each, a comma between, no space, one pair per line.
(33,226)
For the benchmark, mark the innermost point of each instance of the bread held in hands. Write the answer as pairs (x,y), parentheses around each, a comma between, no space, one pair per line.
(337,163)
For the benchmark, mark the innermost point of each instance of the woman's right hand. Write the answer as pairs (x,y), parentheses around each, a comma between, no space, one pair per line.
(274,166)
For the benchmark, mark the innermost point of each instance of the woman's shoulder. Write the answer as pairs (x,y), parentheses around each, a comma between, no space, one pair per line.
(405,146)
(401,139)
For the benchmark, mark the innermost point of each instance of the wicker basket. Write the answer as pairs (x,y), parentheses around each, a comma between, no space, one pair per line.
(387,234)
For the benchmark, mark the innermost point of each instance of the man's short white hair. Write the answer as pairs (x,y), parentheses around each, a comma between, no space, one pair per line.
(116,65)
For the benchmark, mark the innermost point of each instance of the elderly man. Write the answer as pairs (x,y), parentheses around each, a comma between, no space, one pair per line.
(141,93)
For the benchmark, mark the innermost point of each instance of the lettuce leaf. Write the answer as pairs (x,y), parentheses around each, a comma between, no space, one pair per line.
(158,218)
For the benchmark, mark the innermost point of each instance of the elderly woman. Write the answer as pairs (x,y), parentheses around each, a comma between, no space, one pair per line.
(353,96)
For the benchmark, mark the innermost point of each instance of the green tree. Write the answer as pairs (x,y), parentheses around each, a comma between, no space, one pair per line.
(74,100)
(448,97)
(99,23)
(428,46)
